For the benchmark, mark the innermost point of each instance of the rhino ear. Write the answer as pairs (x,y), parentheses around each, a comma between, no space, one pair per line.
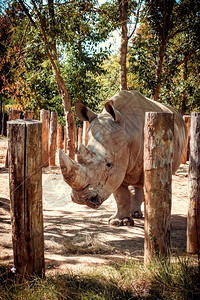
(84,113)
(113,111)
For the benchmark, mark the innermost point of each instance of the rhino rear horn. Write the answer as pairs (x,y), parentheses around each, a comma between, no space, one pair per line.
(73,173)
(84,113)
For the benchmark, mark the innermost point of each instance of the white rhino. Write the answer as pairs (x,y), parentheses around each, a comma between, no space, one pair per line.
(113,159)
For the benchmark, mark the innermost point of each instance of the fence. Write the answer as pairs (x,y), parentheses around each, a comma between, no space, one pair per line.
(25,136)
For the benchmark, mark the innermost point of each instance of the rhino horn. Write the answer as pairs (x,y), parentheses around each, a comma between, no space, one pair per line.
(73,173)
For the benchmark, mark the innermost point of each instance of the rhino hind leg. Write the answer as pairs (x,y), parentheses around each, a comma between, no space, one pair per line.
(137,197)
(123,215)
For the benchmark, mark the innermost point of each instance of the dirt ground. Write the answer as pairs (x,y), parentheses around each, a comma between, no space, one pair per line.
(78,237)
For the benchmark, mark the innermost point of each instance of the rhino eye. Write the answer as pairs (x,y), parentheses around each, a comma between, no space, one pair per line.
(108,165)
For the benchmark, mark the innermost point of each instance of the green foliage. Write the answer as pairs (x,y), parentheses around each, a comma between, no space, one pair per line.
(76,33)
(130,280)
(180,69)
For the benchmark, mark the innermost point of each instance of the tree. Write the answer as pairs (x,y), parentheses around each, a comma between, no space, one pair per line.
(121,14)
(49,28)
(167,19)
(168,76)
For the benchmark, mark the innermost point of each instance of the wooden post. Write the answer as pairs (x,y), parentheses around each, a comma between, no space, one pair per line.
(76,137)
(45,117)
(65,139)
(53,138)
(60,136)
(14,114)
(158,150)
(25,157)
(193,220)
(187,120)
(28,115)
(80,135)
(85,134)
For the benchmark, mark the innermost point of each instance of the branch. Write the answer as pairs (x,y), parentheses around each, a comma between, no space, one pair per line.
(188,56)
(137,18)
(27,13)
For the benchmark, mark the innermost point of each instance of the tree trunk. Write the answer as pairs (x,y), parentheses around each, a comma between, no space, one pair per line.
(52,55)
(159,71)
(158,151)
(166,25)
(123,9)
(193,221)
(184,102)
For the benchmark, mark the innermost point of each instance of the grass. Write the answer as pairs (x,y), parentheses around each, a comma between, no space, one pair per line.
(179,280)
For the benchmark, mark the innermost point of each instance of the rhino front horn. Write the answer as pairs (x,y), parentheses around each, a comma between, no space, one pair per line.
(73,173)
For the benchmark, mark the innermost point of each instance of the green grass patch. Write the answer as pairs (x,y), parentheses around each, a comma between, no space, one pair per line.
(131,280)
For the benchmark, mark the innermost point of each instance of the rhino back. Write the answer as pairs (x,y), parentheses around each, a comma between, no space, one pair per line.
(133,106)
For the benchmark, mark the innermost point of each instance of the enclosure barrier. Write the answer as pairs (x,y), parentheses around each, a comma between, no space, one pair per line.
(25,174)
(187,120)
(60,136)
(53,138)
(193,220)
(28,115)
(158,150)
(45,118)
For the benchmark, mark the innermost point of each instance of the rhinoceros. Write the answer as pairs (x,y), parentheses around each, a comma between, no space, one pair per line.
(113,159)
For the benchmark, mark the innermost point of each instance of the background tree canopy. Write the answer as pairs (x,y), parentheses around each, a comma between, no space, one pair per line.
(47,47)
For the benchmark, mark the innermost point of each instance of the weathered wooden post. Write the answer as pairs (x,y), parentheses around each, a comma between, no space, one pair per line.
(60,136)
(65,139)
(158,151)
(45,118)
(193,220)
(76,137)
(14,114)
(80,135)
(187,120)
(28,115)
(85,134)
(53,138)
(25,175)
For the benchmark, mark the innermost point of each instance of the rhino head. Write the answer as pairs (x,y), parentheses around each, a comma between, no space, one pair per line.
(100,168)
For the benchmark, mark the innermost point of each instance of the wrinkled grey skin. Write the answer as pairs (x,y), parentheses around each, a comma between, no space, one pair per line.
(113,159)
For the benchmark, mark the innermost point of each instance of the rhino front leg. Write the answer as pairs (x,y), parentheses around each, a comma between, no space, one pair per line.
(123,215)
(137,195)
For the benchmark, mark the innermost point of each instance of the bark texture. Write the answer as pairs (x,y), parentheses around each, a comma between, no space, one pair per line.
(28,115)
(53,138)
(158,151)
(45,118)
(60,136)
(193,220)
(25,174)
(123,10)
(187,120)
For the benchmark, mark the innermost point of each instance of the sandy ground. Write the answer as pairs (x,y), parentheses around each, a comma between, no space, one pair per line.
(78,237)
